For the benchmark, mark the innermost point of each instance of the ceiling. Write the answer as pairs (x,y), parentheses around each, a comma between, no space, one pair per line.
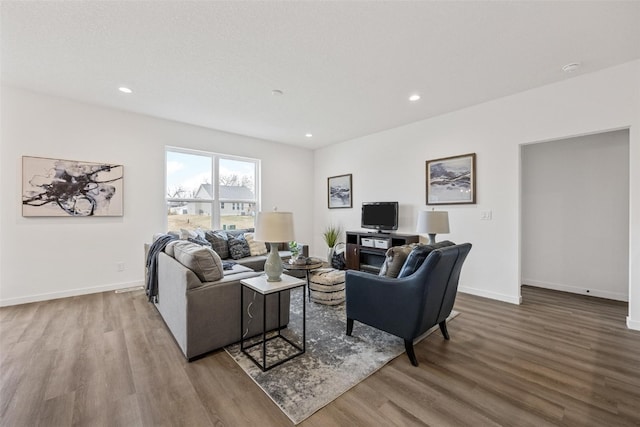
(346,68)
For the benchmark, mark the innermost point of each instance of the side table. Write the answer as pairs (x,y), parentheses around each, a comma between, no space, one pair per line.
(260,285)
(315,263)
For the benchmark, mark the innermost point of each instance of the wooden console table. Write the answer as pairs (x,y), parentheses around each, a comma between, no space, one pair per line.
(366,251)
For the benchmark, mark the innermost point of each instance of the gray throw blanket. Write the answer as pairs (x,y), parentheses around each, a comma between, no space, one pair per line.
(152,265)
(228,265)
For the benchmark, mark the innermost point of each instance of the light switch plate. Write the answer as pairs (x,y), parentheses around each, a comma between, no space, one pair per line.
(485,215)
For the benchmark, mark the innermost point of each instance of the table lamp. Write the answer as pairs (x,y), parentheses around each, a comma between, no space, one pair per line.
(433,222)
(273,228)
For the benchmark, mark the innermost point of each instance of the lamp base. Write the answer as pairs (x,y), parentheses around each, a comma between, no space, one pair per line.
(273,264)
(432,238)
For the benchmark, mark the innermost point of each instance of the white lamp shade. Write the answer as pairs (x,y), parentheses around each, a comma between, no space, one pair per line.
(433,222)
(274,227)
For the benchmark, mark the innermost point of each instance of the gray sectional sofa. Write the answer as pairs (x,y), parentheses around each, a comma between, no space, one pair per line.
(200,301)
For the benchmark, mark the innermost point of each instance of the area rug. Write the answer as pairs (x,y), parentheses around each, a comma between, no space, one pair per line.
(332,364)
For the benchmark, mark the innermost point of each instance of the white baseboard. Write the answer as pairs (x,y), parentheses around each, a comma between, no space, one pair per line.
(633,324)
(492,295)
(69,293)
(576,290)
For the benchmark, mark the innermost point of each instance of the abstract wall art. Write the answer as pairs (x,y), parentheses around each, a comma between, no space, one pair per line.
(452,180)
(54,187)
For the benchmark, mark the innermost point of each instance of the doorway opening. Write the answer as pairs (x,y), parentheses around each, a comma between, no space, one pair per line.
(575,215)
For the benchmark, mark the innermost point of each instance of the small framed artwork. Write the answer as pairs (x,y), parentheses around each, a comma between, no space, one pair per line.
(56,187)
(339,191)
(452,180)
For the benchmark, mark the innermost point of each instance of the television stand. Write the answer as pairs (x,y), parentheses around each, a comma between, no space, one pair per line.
(366,249)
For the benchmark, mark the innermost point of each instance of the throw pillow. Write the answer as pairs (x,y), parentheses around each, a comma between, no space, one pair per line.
(203,261)
(219,242)
(395,259)
(199,233)
(255,248)
(418,255)
(199,241)
(238,247)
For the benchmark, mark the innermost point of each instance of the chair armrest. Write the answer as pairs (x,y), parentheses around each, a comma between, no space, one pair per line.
(392,305)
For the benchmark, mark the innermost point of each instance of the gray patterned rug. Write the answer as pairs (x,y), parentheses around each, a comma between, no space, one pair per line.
(332,364)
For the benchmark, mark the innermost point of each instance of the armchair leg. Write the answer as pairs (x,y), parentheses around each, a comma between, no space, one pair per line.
(349,326)
(408,345)
(443,329)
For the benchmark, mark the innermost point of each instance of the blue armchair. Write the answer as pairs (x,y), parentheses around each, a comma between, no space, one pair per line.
(421,297)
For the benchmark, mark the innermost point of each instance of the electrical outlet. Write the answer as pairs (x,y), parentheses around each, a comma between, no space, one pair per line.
(485,215)
(120,266)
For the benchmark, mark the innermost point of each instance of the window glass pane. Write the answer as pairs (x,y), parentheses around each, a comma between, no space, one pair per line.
(237,215)
(237,187)
(238,178)
(188,176)
(189,215)
(190,193)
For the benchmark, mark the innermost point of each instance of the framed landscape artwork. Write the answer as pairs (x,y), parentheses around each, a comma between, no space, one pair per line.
(339,191)
(54,187)
(452,180)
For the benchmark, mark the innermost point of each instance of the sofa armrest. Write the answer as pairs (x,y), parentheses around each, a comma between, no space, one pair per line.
(213,313)
(173,281)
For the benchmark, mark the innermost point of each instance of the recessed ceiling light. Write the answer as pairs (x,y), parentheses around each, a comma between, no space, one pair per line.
(308,135)
(125,89)
(276,92)
(570,68)
(414,97)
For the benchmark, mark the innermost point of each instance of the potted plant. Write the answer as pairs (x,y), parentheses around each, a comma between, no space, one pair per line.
(330,235)
(294,247)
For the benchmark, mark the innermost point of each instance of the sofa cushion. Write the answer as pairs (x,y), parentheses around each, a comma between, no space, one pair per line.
(203,261)
(219,242)
(238,231)
(237,268)
(199,241)
(395,259)
(238,247)
(255,248)
(169,248)
(418,255)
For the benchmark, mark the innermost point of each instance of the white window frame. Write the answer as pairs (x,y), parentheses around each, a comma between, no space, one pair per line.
(215,180)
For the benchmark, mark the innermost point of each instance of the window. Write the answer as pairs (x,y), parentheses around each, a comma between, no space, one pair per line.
(210,191)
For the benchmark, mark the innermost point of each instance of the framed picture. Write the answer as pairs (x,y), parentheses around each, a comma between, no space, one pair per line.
(55,187)
(452,180)
(339,191)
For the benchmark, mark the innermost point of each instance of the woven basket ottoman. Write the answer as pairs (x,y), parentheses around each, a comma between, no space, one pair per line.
(326,286)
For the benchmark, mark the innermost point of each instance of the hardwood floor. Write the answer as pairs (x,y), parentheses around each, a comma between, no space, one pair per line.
(108,360)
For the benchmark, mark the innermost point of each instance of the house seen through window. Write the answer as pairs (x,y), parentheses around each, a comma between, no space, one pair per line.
(210,191)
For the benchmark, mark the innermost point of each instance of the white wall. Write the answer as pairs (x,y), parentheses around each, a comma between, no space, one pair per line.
(390,165)
(575,215)
(44,258)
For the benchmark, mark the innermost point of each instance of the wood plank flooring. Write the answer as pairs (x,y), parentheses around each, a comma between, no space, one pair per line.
(108,360)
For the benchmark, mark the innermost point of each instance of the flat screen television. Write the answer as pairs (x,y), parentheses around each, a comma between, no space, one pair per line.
(380,215)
